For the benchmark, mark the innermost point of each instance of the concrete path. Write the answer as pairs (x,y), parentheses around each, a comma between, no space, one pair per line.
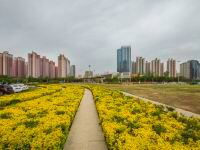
(184,112)
(86,133)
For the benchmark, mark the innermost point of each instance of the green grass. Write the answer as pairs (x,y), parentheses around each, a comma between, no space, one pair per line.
(186,97)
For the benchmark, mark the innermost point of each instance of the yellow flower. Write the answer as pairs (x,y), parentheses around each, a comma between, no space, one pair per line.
(39,119)
(131,124)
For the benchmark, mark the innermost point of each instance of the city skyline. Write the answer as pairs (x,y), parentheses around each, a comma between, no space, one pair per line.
(165,29)
(139,65)
(36,66)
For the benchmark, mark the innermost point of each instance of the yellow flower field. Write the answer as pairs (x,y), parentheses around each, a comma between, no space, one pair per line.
(29,95)
(39,119)
(130,124)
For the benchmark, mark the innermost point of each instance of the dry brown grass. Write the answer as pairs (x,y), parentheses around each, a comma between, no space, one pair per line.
(186,97)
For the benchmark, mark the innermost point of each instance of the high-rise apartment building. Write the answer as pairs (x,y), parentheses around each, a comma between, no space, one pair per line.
(63,66)
(44,67)
(190,70)
(140,65)
(34,65)
(68,67)
(40,67)
(52,69)
(134,67)
(73,71)
(157,68)
(147,68)
(26,69)
(56,71)
(6,63)
(124,63)
(19,67)
(1,63)
(185,70)
(161,69)
(171,68)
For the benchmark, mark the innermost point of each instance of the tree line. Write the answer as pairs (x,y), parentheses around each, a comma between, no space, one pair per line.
(139,79)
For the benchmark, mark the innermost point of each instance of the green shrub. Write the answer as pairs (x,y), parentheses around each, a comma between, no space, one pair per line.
(158,128)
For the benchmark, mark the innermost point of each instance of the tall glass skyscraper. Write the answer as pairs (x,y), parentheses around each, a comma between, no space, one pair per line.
(190,70)
(124,59)
(194,69)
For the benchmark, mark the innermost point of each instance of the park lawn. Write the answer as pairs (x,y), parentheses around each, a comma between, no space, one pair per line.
(186,97)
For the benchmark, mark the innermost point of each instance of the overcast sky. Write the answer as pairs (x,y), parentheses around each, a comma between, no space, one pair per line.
(90,31)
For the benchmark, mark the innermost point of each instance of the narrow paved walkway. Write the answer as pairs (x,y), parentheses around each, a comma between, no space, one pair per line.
(86,133)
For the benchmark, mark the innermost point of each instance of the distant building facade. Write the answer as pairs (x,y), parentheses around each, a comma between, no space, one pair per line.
(68,67)
(40,66)
(88,74)
(147,68)
(19,67)
(134,67)
(56,71)
(44,67)
(171,67)
(124,63)
(52,70)
(63,66)
(73,71)
(34,65)
(157,68)
(6,64)
(140,65)
(190,70)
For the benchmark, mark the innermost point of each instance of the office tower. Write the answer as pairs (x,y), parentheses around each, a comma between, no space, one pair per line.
(194,69)
(140,65)
(34,65)
(147,68)
(190,70)
(6,63)
(124,63)
(19,67)
(63,66)
(72,71)
(171,67)
(134,67)
(157,68)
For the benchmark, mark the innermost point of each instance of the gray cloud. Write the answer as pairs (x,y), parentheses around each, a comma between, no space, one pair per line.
(90,31)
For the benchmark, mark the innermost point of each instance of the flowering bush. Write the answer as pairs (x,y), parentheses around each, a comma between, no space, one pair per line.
(29,95)
(133,124)
(40,121)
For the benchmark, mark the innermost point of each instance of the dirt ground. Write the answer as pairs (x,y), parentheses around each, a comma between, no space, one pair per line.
(186,97)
